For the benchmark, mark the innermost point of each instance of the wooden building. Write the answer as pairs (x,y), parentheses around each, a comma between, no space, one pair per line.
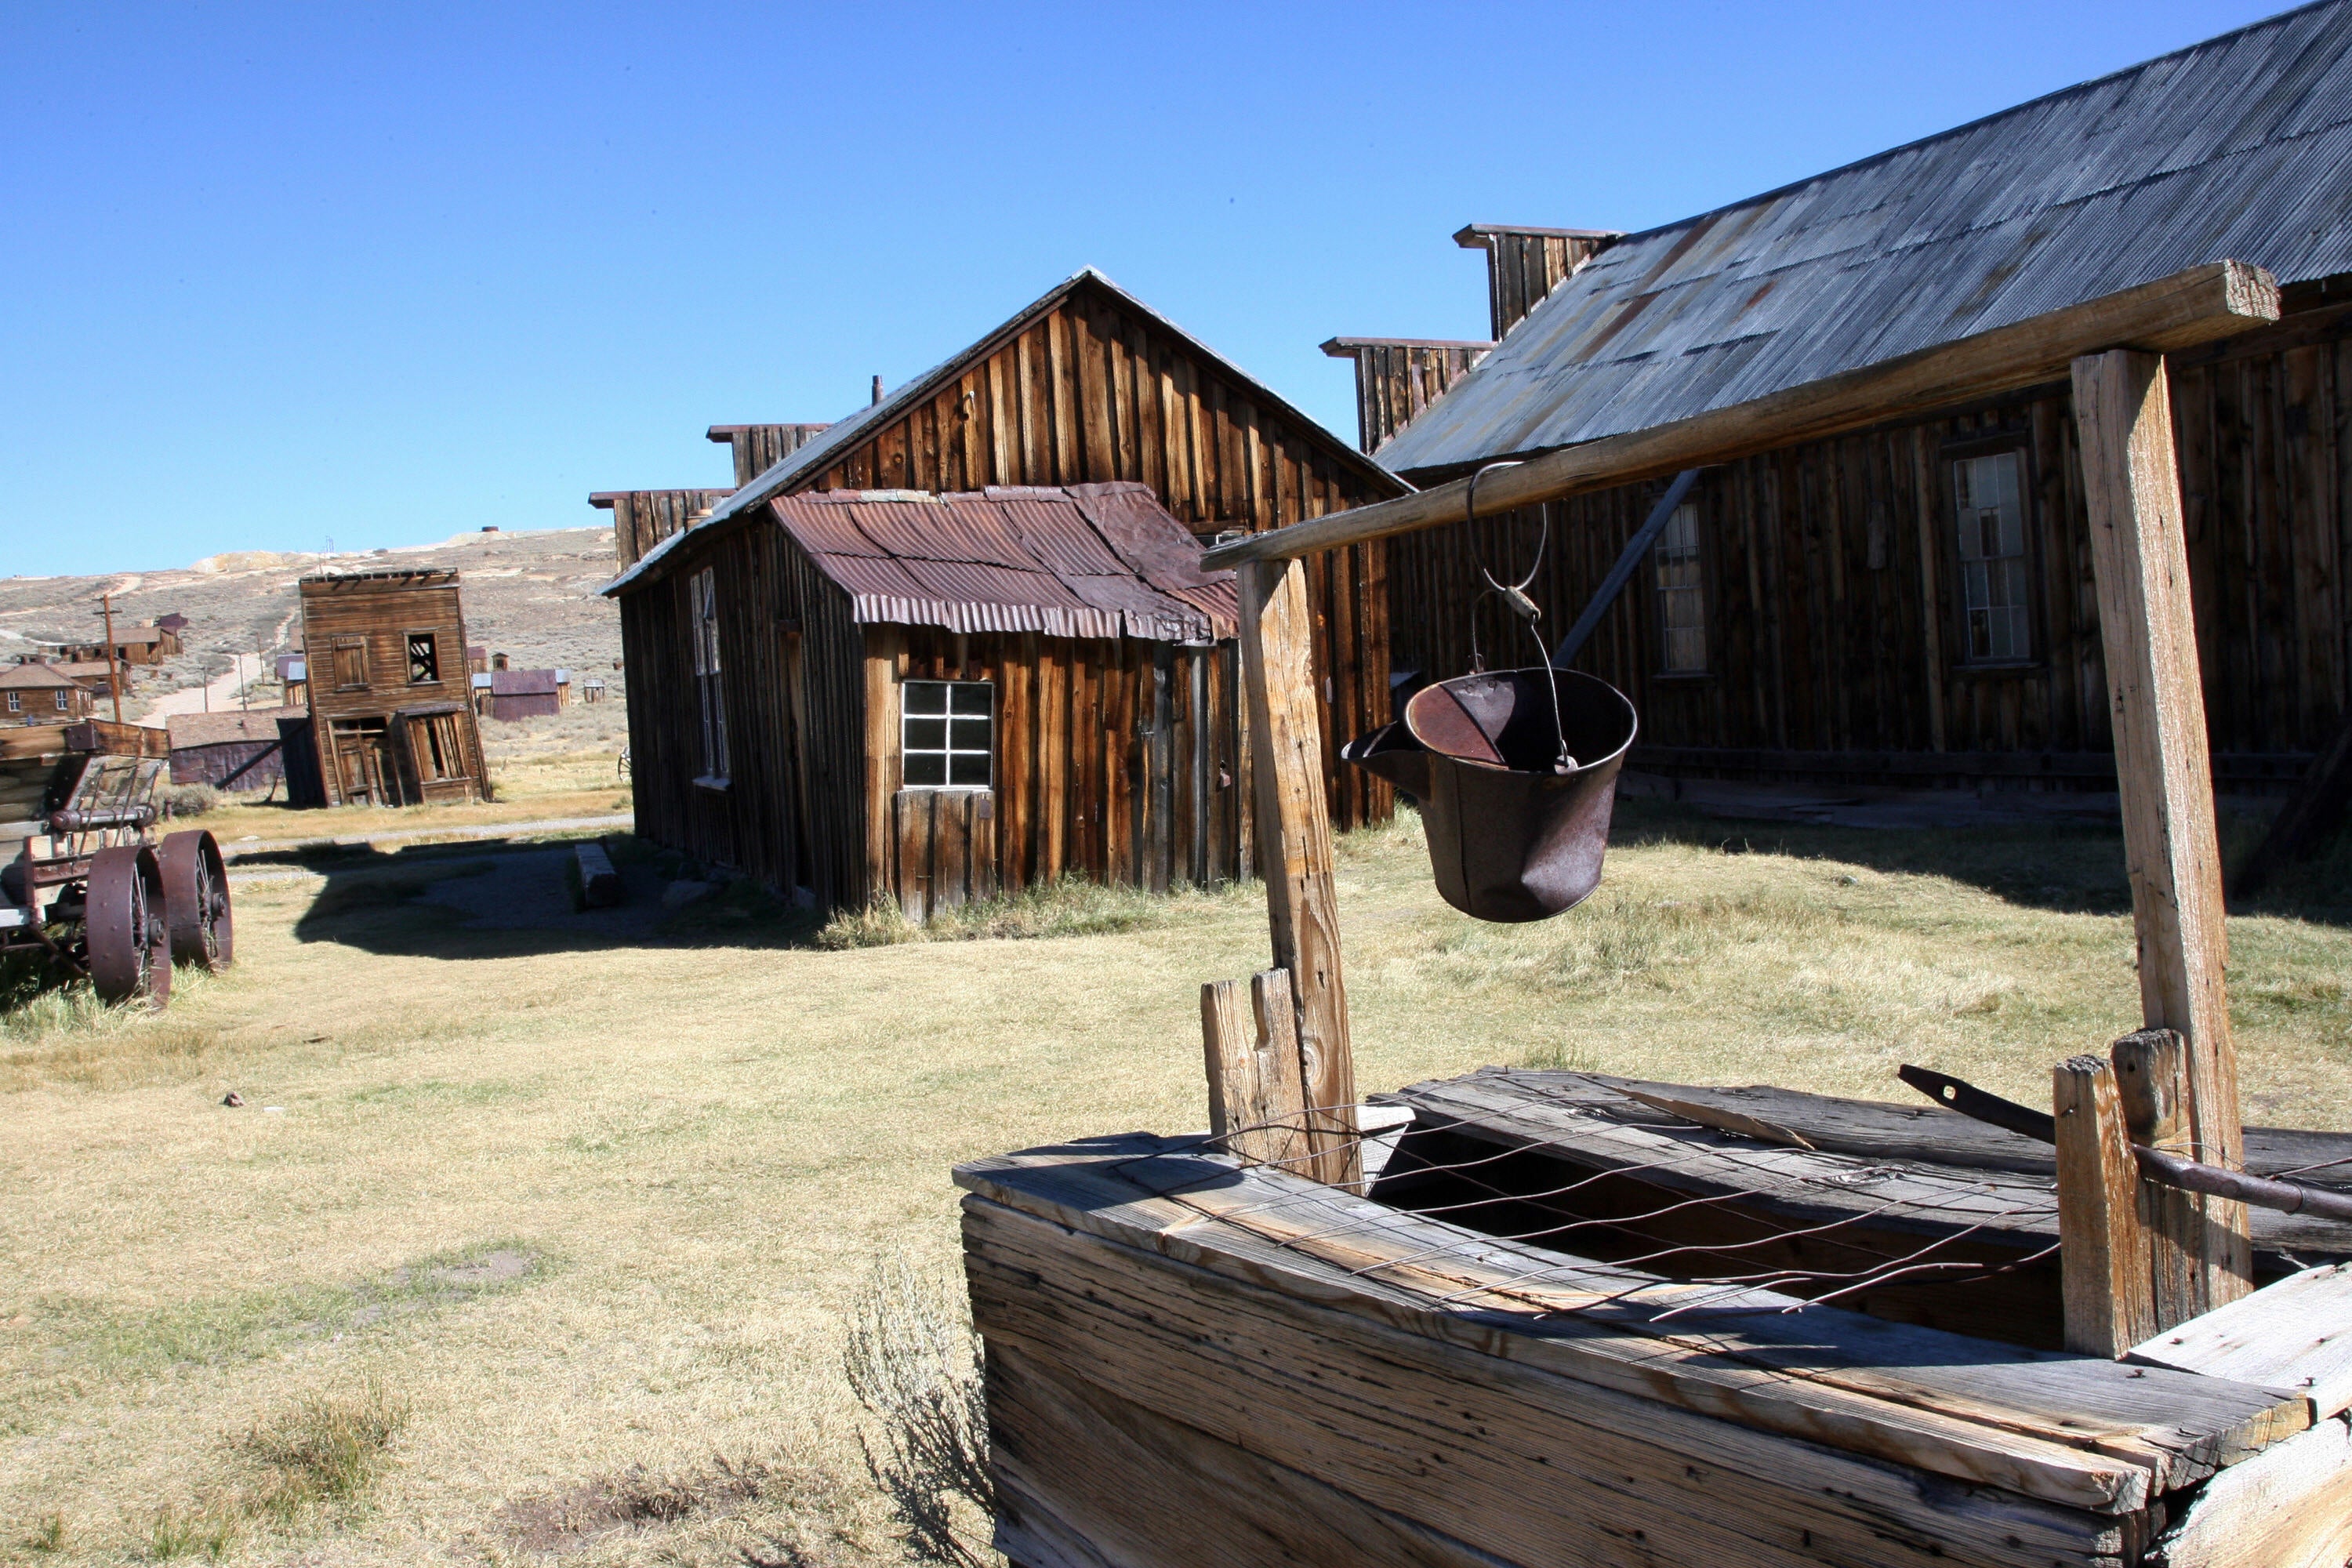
(393,724)
(237,751)
(758,447)
(132,645)
(37,693)
(1086,385)
(643,519)
(1912,602)
(937,698)
(510,694)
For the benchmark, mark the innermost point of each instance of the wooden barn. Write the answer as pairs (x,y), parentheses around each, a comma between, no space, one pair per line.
(389,701)
(1087,385)
(510,694)
(1912,602)
(935,698)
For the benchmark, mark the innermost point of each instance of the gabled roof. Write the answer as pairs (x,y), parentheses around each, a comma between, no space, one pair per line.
(1084,561)
(2239,148)
(839,439)
(33,678)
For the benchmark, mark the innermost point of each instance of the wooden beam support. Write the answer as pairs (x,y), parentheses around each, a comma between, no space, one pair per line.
(1256,1103)
(2215,301)
(2109,1298)
(2131,483)
(1294,848)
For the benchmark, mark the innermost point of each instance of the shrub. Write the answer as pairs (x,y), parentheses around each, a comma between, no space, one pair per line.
(189,799)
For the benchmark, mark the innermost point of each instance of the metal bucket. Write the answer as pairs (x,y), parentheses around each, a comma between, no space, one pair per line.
(1513,836)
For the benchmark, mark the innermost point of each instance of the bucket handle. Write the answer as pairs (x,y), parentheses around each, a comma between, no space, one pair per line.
(1515,596)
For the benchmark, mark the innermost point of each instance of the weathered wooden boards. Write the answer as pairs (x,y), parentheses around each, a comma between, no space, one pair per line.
(2131,478)
(1249,1032)
(600,884)
(1294,837)
(1327,1368)
(2294,1333)
(2189,308)
(2287,1507)
(2105,1262)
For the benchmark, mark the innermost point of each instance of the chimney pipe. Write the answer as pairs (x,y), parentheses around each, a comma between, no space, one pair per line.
(877,389)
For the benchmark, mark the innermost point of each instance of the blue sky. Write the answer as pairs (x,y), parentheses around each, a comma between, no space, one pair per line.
(274,275)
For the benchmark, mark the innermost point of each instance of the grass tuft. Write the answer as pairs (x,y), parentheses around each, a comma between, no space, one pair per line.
(1069,907)
(49,1535)
(324,1449)
(177,1534)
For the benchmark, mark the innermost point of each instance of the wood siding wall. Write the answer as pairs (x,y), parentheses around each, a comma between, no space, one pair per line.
(382,613)
(758,447)
(1117,760)
(793,814)
(1395,380)
(643,519)
(1830,570)
(1090,392)
(1522,265)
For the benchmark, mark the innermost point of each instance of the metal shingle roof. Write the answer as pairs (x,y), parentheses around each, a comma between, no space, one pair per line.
(1089,561)
(2238,148)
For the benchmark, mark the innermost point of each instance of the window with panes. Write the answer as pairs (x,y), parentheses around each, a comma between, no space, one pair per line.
(702,596)
(1989,502)
(947,733)
(1682,597)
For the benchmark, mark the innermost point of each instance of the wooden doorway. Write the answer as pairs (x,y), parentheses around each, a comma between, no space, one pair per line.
(363,769)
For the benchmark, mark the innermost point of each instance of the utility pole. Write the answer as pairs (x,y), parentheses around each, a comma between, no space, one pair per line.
(242,704)
(113,671)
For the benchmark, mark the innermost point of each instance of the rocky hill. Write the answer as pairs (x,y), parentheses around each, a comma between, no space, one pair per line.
(530,595)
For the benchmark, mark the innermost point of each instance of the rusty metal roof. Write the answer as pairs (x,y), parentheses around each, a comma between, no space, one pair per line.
(2238,148)
(1085,561)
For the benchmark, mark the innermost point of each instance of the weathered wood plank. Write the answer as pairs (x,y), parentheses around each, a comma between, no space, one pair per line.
(1251,1038)
(2290,1506)
(2082,1431)
(1294,837)
(2123,410)
(2110,1296)
(1505,1457)
(2294,1334)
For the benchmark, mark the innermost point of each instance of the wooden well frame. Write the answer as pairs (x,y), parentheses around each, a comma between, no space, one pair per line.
(1237,1357)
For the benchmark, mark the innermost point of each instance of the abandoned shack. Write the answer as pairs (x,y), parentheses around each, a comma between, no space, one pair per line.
(37,693)
(510,694)
(1086,385)
(238,751)
(934,698)
(1912,602)
(391,720)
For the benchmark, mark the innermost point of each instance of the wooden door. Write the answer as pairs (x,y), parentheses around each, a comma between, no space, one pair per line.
(363,767)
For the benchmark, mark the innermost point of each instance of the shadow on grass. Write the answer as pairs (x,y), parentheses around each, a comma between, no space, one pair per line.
(2065,867)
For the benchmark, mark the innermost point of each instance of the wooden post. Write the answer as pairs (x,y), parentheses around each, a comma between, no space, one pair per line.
(1294,847)
(1256,1101)
(2103,1247)
(113,671)
(2131,483)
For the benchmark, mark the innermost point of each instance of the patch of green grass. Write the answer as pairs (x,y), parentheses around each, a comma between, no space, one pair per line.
(49,1535)
(1069,907)
(91,1346)
(176,1532)
(323,1449)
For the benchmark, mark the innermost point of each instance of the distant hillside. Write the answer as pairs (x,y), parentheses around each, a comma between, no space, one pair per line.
(530,595)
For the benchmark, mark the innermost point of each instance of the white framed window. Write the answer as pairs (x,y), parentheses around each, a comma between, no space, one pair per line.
(947,733)
(16,702)
(1682,599)
(702,602)
(62,694)
(1989,502)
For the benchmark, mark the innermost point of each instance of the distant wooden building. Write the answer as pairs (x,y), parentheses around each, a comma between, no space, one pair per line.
(936,698)
(132,645)
(388,694)
(1086,385)
(512,694)
(34,693)
(1913,603)
(238,751)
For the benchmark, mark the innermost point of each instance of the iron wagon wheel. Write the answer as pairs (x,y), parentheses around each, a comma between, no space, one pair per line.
(195,899)
(130,945)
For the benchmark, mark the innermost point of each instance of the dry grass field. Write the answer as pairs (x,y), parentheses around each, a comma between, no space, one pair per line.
(532,1244)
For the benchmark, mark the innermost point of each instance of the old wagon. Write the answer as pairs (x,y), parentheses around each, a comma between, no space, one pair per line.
(1516,1318)
(87,884)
